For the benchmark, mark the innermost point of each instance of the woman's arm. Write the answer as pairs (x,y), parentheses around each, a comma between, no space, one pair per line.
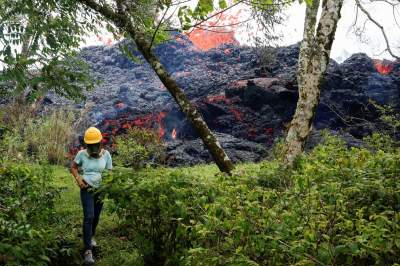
(78,179)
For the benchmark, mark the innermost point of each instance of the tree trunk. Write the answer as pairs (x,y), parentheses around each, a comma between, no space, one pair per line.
(122,21)
(194,116)
(313,62)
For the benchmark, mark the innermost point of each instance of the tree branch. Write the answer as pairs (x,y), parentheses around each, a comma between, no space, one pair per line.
(158,27)
(218,13)
(107,12)
(382,29)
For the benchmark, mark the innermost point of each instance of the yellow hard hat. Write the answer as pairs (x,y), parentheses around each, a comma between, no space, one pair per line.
(92,136)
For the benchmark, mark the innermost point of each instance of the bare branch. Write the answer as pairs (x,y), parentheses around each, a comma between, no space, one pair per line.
(382,29)
(218,13)
(158,27)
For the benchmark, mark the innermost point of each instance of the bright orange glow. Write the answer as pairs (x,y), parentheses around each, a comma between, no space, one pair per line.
(216,31)
(206,40)
(173,134)
(221,98)
(383,67)
(146,121)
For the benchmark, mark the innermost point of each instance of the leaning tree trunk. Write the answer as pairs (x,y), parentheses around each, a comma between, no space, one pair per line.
(121,20)
(194,116)
(313,62)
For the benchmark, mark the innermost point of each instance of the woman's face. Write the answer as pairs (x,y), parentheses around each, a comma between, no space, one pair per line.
(94,150)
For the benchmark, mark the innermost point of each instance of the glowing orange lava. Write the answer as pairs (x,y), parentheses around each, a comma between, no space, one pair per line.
(215,32)
(205,40)
(173,134)
(384,67)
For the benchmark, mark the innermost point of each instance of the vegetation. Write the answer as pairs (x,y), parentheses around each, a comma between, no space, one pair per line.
(28,137)
(39,40)
(138,148)
(27,213)
(338,206)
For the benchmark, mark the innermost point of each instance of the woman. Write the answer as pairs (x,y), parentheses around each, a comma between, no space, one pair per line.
(92,160)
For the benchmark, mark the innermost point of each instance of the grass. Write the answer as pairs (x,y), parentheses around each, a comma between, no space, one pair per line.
(114,248)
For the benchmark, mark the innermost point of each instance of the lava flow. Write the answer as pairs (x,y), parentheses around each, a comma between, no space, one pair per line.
(215,32)
(221,98)
(206,39)
(113,127)
(173,134)
(384,67)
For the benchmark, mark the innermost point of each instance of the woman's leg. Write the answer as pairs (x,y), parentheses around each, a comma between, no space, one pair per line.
(98,205)
(87,200)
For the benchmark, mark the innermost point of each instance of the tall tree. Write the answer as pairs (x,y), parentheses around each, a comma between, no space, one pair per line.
(312,65)
(124,16)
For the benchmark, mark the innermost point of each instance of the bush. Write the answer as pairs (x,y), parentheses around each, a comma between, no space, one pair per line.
(379,141)
(148,207)
(51,135)
(340,208)
(139,147)
(26,205)
(43,139)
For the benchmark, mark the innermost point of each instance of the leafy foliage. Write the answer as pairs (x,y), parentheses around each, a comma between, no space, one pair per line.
(38,40)
(31,138)
(139,147)
(389,117)
(26,211)
(341,207)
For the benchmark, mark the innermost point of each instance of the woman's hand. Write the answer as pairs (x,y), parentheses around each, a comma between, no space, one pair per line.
(82,184)
(74,170)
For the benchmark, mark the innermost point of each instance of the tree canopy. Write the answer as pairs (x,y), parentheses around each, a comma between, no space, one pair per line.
(39,41)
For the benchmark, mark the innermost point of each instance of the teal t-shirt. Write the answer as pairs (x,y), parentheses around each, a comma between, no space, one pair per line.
(93,167)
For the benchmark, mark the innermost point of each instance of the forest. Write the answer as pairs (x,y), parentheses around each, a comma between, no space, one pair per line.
(175,132)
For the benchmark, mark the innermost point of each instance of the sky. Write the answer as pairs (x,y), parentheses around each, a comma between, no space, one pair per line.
(346,43)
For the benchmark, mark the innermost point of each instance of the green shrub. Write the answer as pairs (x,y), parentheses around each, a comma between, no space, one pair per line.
(26,205)
(41,139)
(139,147)
(341,207)
(153,210)
(51,135)
(380,141)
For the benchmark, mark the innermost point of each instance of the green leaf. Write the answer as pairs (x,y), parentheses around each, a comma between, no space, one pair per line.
(203,8)
(128,53)
(222,4)
(308,2)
